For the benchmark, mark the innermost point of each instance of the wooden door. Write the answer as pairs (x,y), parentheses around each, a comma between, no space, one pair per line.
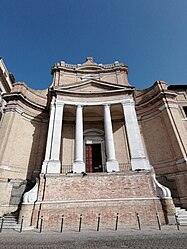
(88,158)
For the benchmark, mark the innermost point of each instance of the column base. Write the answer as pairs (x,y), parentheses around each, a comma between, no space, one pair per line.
(53,166)
(140,164)
(112,166)
(78,167)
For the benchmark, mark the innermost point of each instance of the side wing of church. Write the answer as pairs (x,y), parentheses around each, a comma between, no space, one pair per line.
(91,144)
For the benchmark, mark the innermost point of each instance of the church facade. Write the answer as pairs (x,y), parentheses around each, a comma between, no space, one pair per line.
(90,145)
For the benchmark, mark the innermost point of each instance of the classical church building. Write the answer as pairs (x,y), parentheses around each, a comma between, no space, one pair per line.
(92,144)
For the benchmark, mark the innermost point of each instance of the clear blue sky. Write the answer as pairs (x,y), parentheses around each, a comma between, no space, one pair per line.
(150,36)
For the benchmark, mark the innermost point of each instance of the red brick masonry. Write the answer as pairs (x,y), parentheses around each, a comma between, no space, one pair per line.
(105,193)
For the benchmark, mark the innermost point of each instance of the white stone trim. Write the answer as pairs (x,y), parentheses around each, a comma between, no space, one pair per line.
(99,200)
(54,164)
(137,153)
(96,103)
(31,196)
(49,137)
(168,105)
(162,191)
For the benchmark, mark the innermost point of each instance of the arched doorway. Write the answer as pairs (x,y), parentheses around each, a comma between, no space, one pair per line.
(94,150)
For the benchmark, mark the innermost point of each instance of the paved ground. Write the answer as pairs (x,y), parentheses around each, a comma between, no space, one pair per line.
(149,238)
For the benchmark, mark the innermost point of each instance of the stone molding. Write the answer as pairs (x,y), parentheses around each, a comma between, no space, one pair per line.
(96,103)
(169,105)
(162,191)
(31,196)
(97,200)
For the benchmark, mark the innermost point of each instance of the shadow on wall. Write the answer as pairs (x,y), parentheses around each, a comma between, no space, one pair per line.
(37,153)
(39,139)
(171,184)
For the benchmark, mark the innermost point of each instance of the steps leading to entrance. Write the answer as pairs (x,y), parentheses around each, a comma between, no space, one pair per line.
(10,221)
(181,216)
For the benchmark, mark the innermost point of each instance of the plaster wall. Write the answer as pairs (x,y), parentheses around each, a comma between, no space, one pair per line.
(67,146)
(121,144)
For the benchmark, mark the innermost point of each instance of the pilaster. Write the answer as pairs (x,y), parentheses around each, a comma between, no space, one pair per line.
(137,153)
(54,164)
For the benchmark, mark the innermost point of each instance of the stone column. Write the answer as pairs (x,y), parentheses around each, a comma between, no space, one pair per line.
(54,164)
(49,137)
(111,164)
(79,165)
(137,153)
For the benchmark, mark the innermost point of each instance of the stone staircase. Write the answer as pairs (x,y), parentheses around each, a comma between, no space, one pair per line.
(181,216)
(10,221)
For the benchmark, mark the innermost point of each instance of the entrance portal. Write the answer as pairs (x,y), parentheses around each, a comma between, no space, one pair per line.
(93,158)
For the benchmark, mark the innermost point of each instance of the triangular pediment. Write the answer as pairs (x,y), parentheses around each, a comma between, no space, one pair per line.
(93,86)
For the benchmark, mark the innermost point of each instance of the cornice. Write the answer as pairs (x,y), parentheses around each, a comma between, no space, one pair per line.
(19,96)
(92,94)
(106,89)
(6,85)
(149,98)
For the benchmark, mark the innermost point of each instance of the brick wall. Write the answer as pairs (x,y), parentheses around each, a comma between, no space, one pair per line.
(93,194)
(127,210)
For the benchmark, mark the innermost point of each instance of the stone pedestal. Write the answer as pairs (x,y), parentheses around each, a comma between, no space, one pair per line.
(78,167)
(26,213)
(54,166)
(169,210)
(112,166)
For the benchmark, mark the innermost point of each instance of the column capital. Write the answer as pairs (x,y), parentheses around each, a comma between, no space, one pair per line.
(128,102)
(106,105)
(53,100)
(59,103)
(79,106)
